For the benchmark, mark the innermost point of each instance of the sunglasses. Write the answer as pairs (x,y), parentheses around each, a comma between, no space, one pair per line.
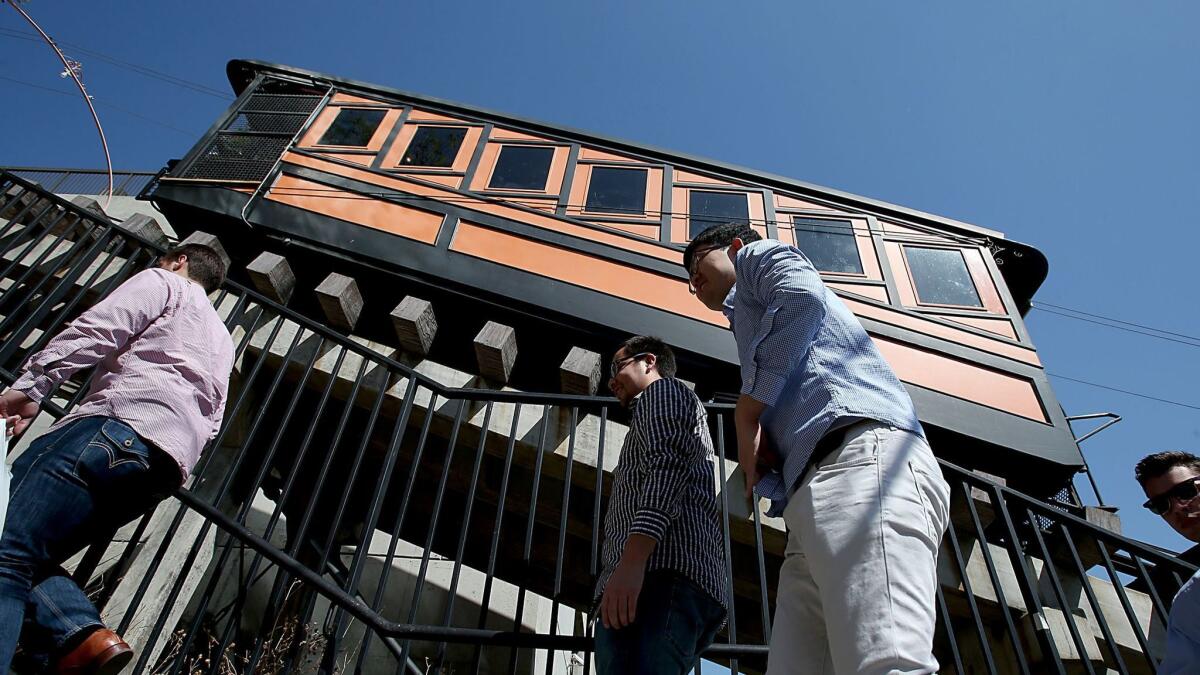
(618,366)
(1184,492)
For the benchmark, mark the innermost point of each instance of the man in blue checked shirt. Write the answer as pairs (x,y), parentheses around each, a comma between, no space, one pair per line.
(828,433)
(662,593)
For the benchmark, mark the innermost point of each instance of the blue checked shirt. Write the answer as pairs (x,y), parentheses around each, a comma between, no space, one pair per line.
(806,356)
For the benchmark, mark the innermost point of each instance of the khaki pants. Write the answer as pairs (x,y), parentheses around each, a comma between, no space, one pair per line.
(858,582)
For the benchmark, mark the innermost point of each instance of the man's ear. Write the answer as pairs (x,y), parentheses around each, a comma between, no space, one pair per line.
(735,246)
(651,362)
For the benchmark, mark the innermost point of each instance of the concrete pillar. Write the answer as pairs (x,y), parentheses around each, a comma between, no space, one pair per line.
(272,276)
(496,351)
(340,300)
(415,325)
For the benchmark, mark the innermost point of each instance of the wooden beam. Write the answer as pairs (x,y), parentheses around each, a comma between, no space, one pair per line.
(209,240)
(272,276)
(415,325)
(496,351)
(340,300)
(580,372)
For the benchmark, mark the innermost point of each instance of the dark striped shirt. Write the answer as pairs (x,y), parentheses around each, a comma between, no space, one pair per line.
(663,487)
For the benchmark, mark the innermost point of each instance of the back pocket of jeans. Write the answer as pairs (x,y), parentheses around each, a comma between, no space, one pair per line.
(114,458)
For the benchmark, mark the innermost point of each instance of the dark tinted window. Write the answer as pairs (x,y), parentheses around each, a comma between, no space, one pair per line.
(829,244)
(941,276)
(715,208)
(522,167)
(353,127)
(434,146)
(614,190)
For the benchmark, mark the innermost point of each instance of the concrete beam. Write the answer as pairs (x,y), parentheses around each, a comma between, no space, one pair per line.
(145,227)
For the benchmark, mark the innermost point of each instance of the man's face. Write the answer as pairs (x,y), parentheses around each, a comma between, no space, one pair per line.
(632,375)
(1183,516)
(712,274)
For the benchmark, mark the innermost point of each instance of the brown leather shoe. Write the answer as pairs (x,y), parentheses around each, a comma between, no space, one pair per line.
(101,653)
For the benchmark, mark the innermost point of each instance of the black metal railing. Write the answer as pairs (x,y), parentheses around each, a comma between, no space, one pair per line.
(84,181)
(357,514)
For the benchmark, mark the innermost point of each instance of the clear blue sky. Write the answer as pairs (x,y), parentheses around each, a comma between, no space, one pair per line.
(1068,125)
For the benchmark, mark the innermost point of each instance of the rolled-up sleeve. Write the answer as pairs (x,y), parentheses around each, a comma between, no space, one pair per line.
(103,329)
(780,279)
(668,427)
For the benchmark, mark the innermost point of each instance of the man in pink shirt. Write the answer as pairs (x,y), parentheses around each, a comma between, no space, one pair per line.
(162,358)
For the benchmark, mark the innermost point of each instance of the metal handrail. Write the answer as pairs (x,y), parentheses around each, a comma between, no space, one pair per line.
(53,268)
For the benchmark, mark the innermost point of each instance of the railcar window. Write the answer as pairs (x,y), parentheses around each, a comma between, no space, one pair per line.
(706,209)
(522,167)
(829,244)
(616,190)
(353,127)
(434,147)
(941,276)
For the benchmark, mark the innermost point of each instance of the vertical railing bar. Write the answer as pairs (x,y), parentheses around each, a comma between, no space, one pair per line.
(11,297)
(728,531)
(1056,586)
(948,627)
(1130,614)
(562,533)
(1097,609)
(381,489)
(17,336)
(762,573)
(54,295)
(1001,597)
(489,577)
(595,567)
(1026,581)
(427,551)
(394,538)
(960,561)
(233,470)
(282,578)
(1160,608)
(175,524)
(528,548)
(466,525)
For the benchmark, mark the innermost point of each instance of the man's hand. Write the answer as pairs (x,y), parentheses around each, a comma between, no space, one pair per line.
(618,606)
(18,411)
(753,455)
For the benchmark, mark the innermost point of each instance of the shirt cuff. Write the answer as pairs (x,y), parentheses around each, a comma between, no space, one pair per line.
(35,387)
(650,522)
(764,386)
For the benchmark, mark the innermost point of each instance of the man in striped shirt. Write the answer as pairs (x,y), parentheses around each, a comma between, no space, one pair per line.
(163,358)
(828,433)
(662,591)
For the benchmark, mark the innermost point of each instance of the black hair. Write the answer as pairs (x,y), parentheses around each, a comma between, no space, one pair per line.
(652,345)
(719,236)
(205,267)
(1153,466)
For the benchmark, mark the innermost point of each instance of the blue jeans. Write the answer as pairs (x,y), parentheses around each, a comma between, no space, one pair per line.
(73,484)
(676,621)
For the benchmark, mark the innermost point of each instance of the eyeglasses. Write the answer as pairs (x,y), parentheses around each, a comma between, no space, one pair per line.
(697,256)
(1184,492)
(619,365)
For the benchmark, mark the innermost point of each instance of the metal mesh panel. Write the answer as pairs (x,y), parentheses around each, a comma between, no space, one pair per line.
(254,139)
(267,122)
(281,103)
(238,157)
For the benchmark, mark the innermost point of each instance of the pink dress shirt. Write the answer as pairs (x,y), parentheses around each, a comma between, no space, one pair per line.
(162,357)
